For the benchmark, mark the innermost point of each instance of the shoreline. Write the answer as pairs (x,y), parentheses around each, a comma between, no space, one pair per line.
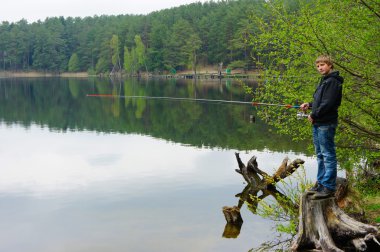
(36,74)
(203,74)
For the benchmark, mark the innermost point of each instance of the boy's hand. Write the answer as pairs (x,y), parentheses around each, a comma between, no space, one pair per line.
(304,106)
(310,119)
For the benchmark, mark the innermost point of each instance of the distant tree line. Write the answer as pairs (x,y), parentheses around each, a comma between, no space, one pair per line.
(171,39)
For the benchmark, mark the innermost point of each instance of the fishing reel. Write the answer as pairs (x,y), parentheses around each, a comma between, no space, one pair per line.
(301,115)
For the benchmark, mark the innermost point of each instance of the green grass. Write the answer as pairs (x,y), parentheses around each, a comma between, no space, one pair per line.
(372,208)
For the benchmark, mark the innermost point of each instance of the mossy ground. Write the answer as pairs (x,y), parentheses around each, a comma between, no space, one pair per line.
(372,208)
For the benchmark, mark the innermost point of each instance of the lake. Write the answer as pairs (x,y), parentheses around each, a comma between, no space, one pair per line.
(83,173)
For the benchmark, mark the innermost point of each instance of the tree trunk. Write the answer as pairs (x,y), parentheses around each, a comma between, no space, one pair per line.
(324,226)
(234,222)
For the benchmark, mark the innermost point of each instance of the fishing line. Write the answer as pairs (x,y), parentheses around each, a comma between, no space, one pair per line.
(192,100)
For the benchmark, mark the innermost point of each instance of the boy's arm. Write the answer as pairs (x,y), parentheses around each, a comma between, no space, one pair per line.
(329,97)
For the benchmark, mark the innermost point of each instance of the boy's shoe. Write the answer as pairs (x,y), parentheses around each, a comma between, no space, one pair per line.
(316,188)
(324,193)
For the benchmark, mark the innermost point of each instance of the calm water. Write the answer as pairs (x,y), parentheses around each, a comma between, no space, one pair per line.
(82,173)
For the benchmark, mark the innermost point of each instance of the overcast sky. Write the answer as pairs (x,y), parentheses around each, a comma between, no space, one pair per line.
(33,10)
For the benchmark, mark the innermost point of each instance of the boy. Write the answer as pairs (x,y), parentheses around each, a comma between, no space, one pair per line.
(324,118)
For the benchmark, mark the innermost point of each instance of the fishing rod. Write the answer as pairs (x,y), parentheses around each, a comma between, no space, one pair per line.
(253,103)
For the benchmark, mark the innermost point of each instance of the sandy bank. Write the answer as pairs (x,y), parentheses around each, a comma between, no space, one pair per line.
(34,74)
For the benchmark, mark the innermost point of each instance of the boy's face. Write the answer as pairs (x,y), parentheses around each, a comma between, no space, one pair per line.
(324,68)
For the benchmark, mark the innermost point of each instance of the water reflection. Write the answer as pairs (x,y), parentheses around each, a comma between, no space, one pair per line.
(59,163)
(82,174)
(62,105)
(91,191)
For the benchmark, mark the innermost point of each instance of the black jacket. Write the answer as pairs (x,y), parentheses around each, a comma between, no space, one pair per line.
(327,99)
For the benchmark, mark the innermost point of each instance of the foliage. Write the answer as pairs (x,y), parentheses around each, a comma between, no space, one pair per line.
(115,52)
(291,36)
(372,207)
(282,210)
(193,44)
(135,59)
(237,64)
(369,185)
(176,54)
(102,66)
(128,60)
(173,38)
(278,210)
(140,52)
(73,63)
(49,50)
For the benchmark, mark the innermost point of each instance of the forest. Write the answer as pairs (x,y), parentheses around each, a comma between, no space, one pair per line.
(171,39)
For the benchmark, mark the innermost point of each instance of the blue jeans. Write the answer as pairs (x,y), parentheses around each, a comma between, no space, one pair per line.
(323,138)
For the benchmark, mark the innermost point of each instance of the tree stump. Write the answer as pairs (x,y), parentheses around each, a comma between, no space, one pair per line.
(234,221)
(324,226)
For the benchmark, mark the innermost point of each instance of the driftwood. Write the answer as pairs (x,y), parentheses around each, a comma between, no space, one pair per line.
(251,172)
(257,181)
(324,226)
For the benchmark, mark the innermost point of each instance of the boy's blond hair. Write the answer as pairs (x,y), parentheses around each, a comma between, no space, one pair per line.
(325,59)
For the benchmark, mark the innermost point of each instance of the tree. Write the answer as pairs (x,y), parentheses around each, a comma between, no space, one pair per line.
(4,44)
(49,52)
(289,40)
(128,61)
(104,57)
(115,52)
(191,48)
(140,52)
(157,40)
(19,53)
(102,65)
(182,46)
(240,45)
(74,63)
